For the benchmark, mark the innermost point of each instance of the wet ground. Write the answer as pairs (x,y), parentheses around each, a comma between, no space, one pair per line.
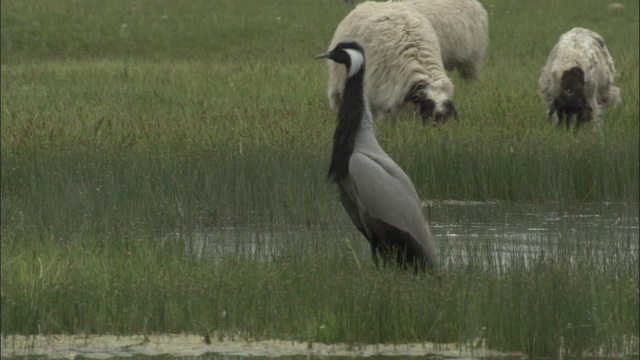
(102,347)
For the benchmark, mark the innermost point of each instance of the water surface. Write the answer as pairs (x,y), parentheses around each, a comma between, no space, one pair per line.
(460,229)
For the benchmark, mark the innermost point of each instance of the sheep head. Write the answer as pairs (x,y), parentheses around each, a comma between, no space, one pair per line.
(432,103)
(572,100)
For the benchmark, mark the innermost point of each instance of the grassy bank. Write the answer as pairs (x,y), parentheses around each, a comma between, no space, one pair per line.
(124,121)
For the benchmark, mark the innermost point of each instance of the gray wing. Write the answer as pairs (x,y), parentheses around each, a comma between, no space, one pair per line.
(385,193)
(396,171)
(349,202)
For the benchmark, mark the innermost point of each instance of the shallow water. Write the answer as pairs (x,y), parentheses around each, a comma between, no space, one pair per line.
(528,229)
(460,228)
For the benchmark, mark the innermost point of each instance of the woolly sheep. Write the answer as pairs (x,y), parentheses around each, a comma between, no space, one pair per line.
(404,65)
(577,79)
(462,27)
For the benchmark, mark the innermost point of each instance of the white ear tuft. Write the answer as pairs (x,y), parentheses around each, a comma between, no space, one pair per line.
(357,59)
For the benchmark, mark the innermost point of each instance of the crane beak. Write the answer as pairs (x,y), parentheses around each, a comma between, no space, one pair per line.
(323,56)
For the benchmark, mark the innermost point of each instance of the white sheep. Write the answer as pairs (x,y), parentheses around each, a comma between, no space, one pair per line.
(404,65)
(578,78)
(463,31)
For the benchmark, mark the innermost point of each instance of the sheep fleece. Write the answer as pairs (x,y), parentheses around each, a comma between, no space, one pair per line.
(402,48)
(462,27)
(585,49)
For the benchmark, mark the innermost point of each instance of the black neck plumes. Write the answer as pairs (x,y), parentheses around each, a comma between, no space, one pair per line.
(350,116)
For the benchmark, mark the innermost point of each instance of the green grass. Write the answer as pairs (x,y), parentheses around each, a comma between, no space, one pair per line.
(267,94)
(203,115)
(312,290)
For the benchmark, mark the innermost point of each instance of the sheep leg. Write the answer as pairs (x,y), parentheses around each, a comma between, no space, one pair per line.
(469,70)
(376,256)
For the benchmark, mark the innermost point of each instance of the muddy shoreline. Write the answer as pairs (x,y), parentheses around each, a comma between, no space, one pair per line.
(71,346)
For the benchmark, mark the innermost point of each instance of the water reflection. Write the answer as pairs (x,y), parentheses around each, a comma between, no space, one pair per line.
(460,229)
(527,230)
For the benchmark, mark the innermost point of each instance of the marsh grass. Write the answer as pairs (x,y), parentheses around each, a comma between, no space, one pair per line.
(107,194)
(311,289)
(124,122)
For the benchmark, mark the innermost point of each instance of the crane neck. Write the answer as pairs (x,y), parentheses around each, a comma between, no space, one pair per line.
(354,117)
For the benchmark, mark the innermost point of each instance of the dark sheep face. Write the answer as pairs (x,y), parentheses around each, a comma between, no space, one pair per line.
(572,102)
(428,110)
(448,111)
(427,107)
